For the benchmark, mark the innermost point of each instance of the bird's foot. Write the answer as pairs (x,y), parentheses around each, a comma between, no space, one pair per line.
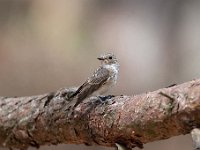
(103,99)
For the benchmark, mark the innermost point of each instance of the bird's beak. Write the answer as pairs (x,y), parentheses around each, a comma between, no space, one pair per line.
(100,58)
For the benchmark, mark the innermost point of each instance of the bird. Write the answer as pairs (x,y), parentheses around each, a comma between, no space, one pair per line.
(100,82)
(195,133)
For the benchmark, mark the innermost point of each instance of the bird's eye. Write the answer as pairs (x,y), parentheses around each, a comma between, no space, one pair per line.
(110,57)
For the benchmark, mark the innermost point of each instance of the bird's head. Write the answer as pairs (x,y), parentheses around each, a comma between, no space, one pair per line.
(107,59)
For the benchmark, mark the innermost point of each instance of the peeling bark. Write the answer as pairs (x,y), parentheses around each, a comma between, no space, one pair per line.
(127,120)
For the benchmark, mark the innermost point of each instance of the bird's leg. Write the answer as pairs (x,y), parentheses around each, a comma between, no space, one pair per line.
(103,99)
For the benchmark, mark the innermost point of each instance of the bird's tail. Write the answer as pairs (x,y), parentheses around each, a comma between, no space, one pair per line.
(72,104)
(71,107)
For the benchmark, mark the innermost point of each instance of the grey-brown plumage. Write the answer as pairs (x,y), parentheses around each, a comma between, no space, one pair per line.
(100,82)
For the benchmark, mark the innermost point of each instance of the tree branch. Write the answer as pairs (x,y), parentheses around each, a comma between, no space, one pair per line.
(127,120)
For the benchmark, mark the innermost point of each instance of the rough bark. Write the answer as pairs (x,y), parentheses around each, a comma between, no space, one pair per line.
(129,120)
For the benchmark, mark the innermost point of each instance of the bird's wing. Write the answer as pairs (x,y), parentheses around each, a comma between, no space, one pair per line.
(99,76)
(93,83)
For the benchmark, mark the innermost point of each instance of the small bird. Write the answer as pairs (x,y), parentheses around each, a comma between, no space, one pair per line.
(195,133)
(100,82)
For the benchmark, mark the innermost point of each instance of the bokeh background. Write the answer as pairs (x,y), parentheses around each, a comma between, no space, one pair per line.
(46,45)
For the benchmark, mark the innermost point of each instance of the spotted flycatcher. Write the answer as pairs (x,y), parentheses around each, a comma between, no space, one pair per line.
(100,82)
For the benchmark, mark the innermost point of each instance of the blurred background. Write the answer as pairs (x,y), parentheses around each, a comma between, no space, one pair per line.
(47,45)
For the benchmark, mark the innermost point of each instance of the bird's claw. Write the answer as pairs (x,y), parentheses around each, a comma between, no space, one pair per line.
(103,99)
